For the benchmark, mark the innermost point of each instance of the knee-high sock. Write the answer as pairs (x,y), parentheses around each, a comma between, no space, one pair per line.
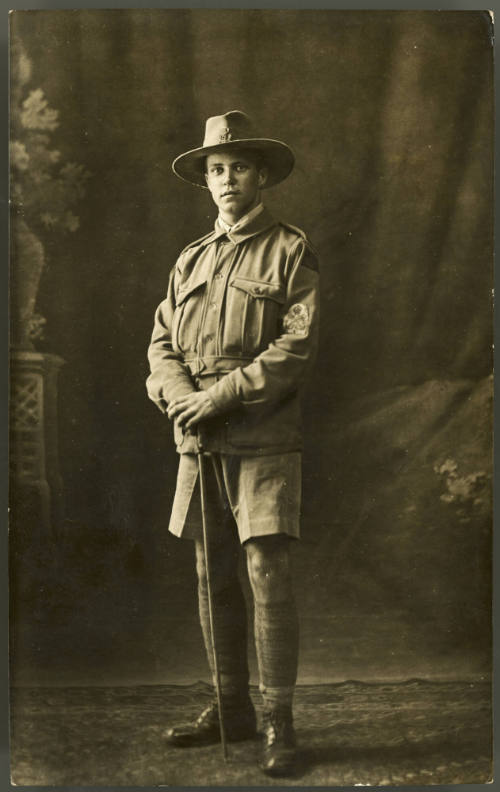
(230,620)
(277,644)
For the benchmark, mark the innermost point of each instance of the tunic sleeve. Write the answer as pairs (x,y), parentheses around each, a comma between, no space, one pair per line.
(169,376)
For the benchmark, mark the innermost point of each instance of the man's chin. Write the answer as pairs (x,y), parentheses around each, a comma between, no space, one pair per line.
(235,204)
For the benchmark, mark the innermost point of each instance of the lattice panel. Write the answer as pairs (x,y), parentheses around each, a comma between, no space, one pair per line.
(26,401)
(27,442)
(33,437)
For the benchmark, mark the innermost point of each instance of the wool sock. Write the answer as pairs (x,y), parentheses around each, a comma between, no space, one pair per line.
(230,621)
(277,644)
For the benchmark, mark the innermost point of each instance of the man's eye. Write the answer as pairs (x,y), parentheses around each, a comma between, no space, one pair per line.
(241,167)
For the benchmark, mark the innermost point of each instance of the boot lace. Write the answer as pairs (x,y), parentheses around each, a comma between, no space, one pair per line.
(210,714)
(276,725)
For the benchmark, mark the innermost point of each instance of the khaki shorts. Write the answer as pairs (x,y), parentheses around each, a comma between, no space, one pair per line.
(261,493)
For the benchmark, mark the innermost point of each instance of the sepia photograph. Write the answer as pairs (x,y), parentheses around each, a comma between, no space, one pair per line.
(250,423)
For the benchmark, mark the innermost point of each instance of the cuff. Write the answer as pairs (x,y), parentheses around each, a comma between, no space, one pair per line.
(167,393)
(178,389)
(223,395)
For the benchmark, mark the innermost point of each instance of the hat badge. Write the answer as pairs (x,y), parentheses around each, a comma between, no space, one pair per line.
(226,136)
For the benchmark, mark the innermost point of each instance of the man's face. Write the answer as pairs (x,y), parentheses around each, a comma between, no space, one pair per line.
(234,181)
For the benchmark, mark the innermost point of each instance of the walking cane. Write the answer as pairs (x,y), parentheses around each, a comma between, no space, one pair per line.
(204,515)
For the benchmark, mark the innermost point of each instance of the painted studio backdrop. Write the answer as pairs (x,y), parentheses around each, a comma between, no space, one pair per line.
(390,118)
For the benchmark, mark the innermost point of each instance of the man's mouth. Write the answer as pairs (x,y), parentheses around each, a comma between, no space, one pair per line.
(230,192)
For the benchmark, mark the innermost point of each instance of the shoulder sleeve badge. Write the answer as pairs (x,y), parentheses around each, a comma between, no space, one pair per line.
(296,319)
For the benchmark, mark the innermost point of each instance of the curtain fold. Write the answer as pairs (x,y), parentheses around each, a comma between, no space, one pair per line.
(390,115)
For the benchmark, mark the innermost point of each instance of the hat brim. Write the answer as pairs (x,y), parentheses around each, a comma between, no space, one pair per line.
(278,158)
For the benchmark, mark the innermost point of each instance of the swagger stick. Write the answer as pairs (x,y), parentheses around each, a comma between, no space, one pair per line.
(201,468)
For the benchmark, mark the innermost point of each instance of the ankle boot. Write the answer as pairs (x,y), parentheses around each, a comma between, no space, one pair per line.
(279,744)
(239,723)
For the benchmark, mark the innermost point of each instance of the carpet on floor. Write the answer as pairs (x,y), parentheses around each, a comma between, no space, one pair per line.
(411,733)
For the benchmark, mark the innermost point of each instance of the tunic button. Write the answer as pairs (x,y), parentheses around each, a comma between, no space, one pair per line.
(258,290)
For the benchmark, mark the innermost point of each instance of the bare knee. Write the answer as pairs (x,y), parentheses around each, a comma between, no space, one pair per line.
(268,561)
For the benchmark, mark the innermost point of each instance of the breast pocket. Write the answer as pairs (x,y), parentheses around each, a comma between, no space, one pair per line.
(187,316)
(254,311)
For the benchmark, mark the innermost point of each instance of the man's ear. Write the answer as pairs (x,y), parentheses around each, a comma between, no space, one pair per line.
(263,174)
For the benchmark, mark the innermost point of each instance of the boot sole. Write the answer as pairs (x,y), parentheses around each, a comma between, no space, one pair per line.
(196,742)
(278,772)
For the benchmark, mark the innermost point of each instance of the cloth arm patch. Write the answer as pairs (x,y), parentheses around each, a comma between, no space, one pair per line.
(296,320)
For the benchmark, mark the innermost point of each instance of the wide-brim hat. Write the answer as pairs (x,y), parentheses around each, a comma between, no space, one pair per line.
(229,132)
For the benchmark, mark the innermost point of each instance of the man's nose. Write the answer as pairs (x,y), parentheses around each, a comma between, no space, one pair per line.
(228,177)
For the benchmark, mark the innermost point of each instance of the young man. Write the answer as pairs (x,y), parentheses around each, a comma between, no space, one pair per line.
(232,345)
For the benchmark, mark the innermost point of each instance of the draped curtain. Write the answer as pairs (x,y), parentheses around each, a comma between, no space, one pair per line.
(390,118)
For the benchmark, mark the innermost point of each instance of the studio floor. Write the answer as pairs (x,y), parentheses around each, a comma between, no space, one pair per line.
(408,733)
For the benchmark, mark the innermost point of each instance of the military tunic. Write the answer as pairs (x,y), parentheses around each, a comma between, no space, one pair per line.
(240,321)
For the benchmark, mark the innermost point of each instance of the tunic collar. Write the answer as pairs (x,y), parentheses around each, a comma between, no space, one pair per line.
(242,221)
(254,224)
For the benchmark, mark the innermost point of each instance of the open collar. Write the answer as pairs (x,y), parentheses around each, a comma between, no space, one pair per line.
(243,221)
(262,221)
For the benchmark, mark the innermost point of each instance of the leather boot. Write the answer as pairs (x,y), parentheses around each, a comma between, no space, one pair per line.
(239,723)
(279,744)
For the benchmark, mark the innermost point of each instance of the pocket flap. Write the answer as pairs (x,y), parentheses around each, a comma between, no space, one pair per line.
(270,291)
(186,289)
